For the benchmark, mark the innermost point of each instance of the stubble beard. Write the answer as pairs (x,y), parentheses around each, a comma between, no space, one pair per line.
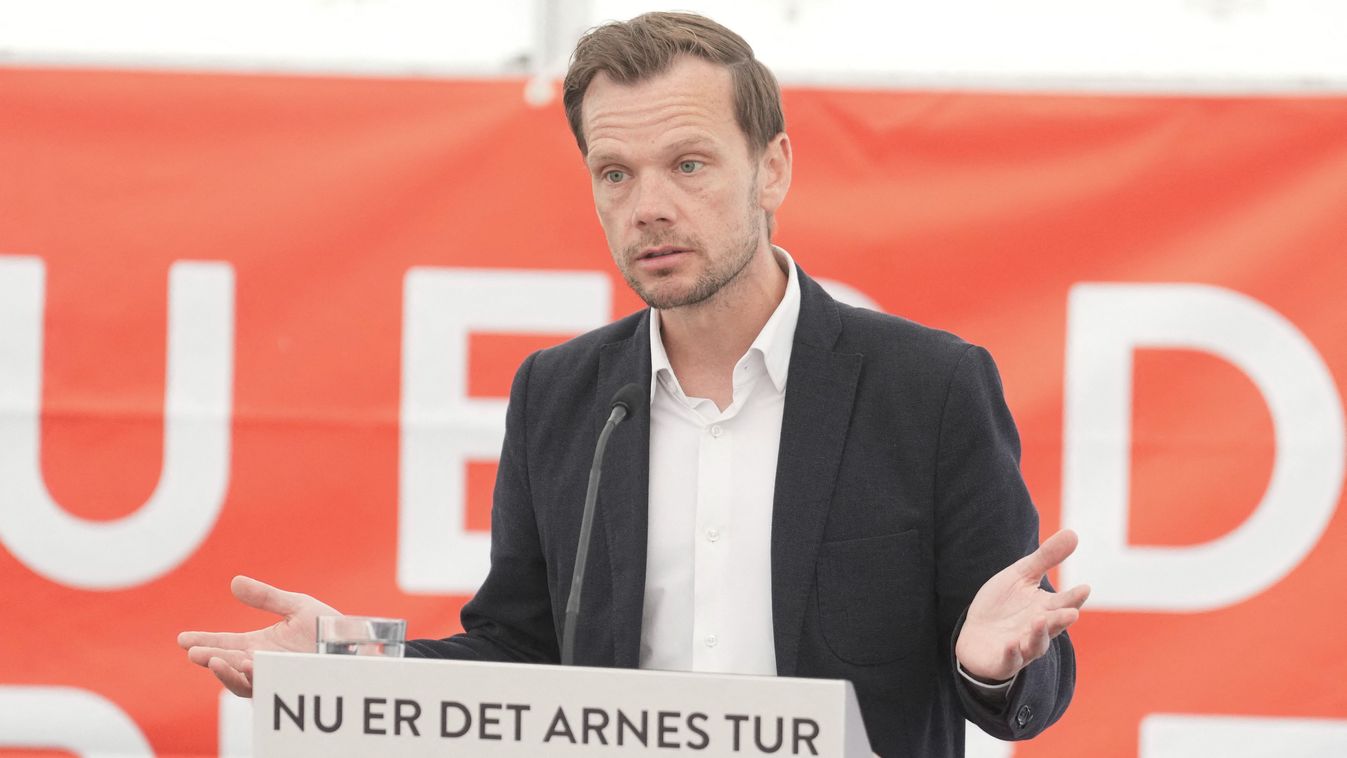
(710,281)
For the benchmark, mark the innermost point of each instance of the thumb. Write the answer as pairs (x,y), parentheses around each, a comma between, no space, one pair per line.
(1048,556)
(265,597)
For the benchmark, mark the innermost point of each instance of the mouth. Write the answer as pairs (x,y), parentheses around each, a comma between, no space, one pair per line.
(655,253)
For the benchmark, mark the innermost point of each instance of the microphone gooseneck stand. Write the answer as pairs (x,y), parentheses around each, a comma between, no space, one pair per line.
(624,404)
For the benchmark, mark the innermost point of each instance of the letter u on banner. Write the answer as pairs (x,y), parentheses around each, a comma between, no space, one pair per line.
(185,503)
(1106,323)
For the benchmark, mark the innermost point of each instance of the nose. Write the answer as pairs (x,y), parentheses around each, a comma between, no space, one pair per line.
(653,204)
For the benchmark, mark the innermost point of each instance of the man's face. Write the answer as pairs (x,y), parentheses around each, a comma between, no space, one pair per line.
(680,194)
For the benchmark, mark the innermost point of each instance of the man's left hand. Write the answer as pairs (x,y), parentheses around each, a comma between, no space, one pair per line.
(1012,620)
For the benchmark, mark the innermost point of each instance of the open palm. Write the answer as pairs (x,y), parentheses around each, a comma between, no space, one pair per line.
(229,655)
(1012,619)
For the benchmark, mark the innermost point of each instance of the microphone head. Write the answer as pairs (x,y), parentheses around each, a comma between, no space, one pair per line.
(631,397)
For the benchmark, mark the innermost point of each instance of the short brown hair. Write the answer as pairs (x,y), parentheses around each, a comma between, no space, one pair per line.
(633,51)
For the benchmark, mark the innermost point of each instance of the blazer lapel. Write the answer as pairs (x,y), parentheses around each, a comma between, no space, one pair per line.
(621,511)
(820,390)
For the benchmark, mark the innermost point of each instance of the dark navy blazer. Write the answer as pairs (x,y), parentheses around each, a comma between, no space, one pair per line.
(898,494)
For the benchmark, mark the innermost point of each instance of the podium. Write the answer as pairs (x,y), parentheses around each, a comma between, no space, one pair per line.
(333,706)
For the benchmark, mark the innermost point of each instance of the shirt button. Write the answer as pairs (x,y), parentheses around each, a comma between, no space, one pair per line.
(716,431)
(712,534)
(711,640)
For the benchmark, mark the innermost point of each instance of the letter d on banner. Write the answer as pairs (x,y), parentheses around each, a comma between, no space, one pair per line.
(1106,323)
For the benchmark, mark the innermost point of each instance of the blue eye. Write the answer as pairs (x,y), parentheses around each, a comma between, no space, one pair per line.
(614,176)
(688,167)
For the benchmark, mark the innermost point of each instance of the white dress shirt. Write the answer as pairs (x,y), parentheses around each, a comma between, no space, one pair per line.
(708,577)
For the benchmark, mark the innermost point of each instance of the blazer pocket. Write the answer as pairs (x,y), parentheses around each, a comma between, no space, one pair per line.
(872,597)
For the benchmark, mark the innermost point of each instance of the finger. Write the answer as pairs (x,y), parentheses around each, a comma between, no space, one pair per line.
(1058,621)
(223,640)
(1072,598)
(237,659)
(1036,642)
(264,597)
(1048,555)
(233,680)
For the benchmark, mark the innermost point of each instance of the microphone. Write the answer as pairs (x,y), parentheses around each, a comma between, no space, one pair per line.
(625,403)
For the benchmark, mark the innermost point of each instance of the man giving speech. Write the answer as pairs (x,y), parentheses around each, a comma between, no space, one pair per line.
(814,490)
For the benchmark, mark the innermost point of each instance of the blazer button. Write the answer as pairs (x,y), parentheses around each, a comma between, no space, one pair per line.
(1025,715)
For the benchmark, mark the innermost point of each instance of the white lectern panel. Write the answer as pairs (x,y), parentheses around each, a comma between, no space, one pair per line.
(319,705)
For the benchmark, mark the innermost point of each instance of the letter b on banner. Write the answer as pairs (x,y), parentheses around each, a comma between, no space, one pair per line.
(1106,323)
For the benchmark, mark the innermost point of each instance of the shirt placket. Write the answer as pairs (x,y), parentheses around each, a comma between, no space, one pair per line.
(711,548)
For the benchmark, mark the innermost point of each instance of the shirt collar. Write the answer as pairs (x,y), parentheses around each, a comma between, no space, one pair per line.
(773,342)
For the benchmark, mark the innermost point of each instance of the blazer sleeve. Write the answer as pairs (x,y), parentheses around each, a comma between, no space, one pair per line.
(510,617)
(985,521)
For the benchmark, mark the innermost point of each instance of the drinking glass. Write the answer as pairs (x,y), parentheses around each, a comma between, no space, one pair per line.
(361,635)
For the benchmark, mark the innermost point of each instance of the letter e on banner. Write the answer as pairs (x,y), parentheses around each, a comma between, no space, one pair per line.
(442,429)
(1106,323)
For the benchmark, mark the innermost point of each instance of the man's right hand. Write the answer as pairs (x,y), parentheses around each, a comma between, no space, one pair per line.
(229,655)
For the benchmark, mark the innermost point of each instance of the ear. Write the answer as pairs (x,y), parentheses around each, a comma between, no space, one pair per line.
(774,173)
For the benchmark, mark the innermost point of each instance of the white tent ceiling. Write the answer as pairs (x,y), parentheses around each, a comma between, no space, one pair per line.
(1141,45)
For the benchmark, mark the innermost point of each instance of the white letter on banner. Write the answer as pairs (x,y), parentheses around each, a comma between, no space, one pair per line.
(1172,735)
(181,511)
(442,429)
(979,744)
(65,718)
(235,726)
(1106,322)
(843,292)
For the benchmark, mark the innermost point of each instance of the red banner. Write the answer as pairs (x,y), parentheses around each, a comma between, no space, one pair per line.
(265,325)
